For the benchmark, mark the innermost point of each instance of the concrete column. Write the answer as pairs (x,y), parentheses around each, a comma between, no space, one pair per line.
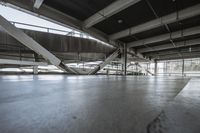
(117,69)
(183,67)
(166,71)
(107,72)
(125,59)
(155,68)
(35,70)
(147,69)
(136,65)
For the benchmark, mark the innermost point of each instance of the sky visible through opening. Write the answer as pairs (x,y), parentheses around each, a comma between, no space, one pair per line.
(14,15)
(18,16)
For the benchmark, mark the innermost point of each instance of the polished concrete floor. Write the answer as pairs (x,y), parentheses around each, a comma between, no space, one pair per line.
(99,104)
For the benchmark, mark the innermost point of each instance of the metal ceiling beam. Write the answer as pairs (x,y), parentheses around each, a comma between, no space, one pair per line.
(174,51)
(107,12)
(171,18)
(58,17)
(32,44)
(170,46)
(164,37)
(38,3)
(19,62)
(55,16)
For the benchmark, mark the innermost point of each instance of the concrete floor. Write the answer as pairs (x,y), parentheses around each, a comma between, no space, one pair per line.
(98,104)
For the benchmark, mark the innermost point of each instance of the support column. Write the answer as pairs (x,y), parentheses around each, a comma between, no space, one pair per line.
(183,67)
(136,65)
(36,56)
(147,68)
(35,70)
(155,68)
(125,59)
(166,67)
(107,72)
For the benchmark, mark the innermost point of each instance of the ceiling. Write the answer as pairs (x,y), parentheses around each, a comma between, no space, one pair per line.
(139,13)
(131,16)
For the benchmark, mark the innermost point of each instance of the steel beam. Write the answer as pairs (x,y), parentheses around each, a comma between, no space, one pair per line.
(125,59)
(107,12)
(168,52)
(164,37)
(32,44)
(55,16)
(103,64)
(19,62)
(144,69)
(170,46)
(38,3)
(27,41)
(171,18)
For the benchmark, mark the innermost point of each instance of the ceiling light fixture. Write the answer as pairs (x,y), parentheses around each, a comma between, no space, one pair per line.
(120,21)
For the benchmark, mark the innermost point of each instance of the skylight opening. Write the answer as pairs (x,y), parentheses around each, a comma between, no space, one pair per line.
(30,22)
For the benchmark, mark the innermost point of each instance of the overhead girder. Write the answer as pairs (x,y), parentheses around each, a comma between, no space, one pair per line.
(170,46)
(174,51)
(58,17)
(164,37)
(171,18)
(108,11)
